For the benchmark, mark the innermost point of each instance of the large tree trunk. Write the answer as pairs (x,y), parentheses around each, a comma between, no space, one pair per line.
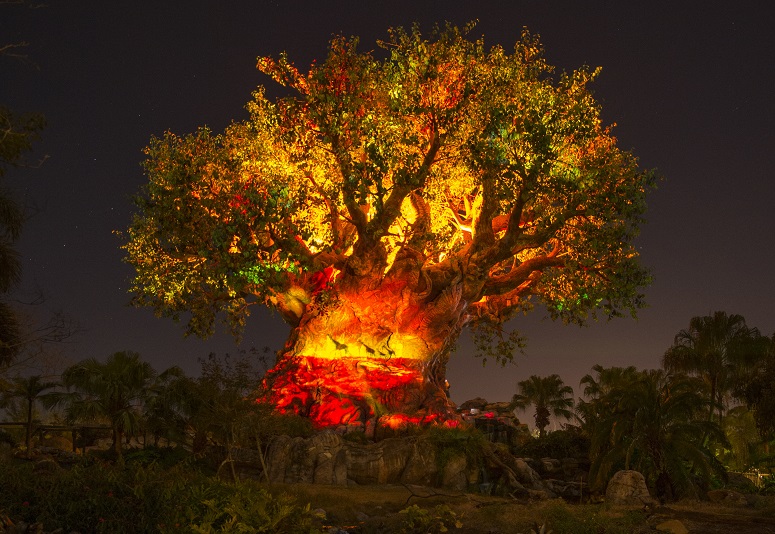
(370,358)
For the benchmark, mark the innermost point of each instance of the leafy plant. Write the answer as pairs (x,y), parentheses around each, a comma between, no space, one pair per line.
(430,521)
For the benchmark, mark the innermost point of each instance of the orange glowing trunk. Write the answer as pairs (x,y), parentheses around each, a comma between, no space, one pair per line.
(370,358)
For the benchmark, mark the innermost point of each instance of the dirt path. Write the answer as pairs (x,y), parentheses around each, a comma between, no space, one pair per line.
(722,520)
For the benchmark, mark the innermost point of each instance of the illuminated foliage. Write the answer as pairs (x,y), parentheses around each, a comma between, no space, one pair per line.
(432,185)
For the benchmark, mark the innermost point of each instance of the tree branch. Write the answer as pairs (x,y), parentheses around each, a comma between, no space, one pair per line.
(392,207)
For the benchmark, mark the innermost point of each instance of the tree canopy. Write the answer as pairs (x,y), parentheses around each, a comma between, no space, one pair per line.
(436,160)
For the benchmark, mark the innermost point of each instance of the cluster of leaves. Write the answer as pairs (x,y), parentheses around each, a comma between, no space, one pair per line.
(433,521)
(548,395)
(17,134)
(559,519)
(570,442)
(135,498)
(450,442)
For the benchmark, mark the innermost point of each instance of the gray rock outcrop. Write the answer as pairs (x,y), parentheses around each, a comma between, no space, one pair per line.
(628,488)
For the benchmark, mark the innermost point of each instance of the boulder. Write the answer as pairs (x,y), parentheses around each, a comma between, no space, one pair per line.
(421,468)
(454,475)
(727,496)
(628,488)
(477,404)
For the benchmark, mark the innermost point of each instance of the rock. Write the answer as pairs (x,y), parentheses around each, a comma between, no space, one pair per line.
(320,459)
(539,495)
(421,468)
(628,488)
(360,516)
(454,474)
(570,491)
(478,404)
(741,483)
(379,463)
(46,464)
(672,526)
(501,408)
(727,496)
(551,465)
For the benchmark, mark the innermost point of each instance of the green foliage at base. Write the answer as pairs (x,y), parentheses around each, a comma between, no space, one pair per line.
(563,519)
(430,521)
(450,442)
(136,498)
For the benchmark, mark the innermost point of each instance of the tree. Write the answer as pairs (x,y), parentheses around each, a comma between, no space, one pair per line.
(590,412)
(18,131)
(385,205)
(31,390)
(756,388)
(550,397)
(650,424)
(715,348)
(113,391)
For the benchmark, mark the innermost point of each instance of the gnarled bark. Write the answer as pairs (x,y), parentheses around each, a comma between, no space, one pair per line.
(370,357)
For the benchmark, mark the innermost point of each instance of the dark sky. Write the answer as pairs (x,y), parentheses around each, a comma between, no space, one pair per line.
(691,89)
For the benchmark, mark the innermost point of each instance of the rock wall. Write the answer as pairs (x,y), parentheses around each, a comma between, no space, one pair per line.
(327,458)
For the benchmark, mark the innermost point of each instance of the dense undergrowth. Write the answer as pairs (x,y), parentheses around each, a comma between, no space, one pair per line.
(160,496)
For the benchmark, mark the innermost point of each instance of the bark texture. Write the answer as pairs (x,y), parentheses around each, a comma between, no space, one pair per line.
(370,358)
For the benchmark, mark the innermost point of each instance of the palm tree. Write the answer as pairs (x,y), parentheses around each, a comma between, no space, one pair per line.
(30,390)
(651,425)
(112,391)
(715,348)
(549,395)
(590,412)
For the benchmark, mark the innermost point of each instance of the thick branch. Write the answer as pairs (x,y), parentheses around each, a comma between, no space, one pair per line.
(392,208)
(357,216)
(521,273)
(484,210)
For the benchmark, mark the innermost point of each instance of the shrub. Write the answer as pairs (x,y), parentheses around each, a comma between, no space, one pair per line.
(430,521)
(136,498)
(567,443)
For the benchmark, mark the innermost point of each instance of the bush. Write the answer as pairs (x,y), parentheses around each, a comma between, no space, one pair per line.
(567,443)
(430,521)
(450,442)
(561,520)
(138,498)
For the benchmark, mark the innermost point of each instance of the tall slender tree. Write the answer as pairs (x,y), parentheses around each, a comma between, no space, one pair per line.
(593,409)
(31,391)
(715,348)
(18,131)
(548,395)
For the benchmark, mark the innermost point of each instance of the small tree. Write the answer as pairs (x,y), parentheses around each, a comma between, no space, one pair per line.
(30,390)
(548,395)
(715,348)
(756,388)
(113,391)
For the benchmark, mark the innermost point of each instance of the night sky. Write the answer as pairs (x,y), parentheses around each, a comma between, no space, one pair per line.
(691,89)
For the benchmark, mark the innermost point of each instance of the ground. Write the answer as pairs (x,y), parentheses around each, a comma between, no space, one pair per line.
(375,509)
